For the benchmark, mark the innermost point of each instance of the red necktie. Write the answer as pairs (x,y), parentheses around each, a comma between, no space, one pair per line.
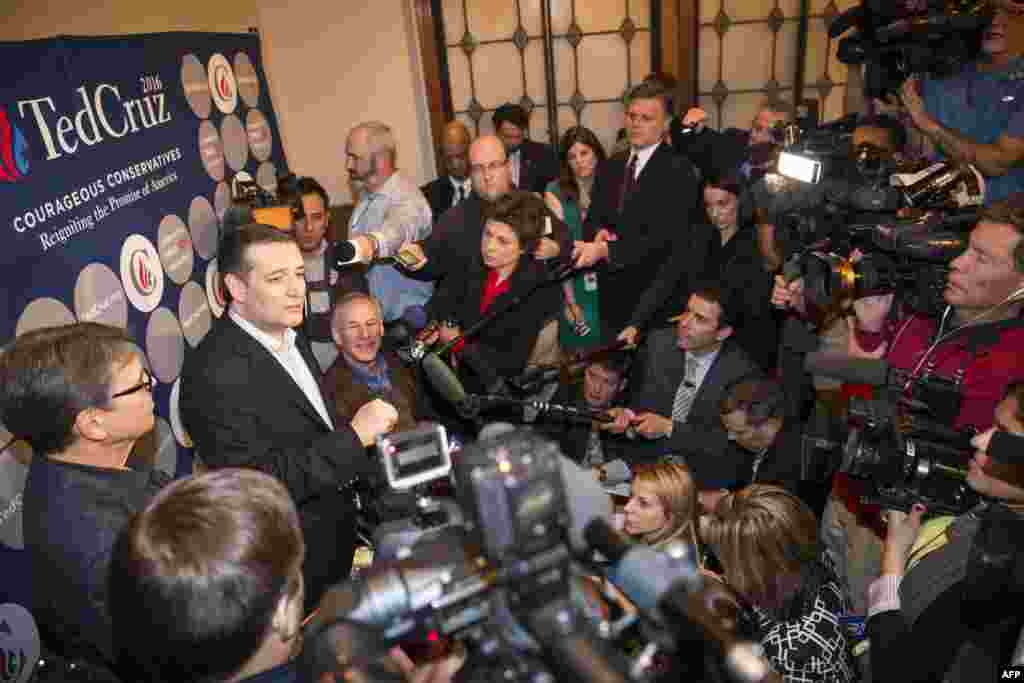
(629,182)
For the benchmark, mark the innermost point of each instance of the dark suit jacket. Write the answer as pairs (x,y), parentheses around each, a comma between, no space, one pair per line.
(504,344)
(662,369)
(439,193)
(243,409)
(661,209)
(711,151)
(538,166)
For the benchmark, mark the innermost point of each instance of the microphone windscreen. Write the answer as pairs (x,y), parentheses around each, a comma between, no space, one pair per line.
(343,253)
(600,536)
(586,500)
(443,379)
(415,317)
(616,472)
(847,368)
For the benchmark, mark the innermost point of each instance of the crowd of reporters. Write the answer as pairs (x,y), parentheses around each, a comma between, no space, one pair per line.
(653,276)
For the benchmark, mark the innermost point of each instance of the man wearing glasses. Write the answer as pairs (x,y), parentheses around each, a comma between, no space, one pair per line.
(80,396)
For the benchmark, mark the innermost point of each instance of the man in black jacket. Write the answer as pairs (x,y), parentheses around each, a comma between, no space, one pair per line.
(250,397)
(454,186)
(533,165)
(642,204)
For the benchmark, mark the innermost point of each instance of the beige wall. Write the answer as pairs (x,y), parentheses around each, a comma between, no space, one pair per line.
(330,65)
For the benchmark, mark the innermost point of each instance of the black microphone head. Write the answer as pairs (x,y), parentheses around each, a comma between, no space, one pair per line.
(602,537)
(342,254)
(443,379)
(848,368)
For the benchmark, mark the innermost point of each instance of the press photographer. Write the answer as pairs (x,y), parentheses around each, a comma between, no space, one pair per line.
(953,69)
(946,603)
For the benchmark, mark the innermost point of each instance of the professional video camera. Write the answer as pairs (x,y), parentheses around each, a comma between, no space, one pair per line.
(499,574)
(252,203)
(900,442)
(898,38)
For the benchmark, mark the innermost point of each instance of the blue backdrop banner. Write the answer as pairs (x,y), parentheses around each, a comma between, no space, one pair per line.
(116,160)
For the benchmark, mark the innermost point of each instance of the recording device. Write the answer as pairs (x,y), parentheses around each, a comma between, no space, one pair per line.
(901,442)
(415,456)
(251,203)
(898,38)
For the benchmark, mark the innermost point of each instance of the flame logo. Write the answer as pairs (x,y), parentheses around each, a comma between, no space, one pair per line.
(223,79)
(14,162)
(142,274)
(11,664)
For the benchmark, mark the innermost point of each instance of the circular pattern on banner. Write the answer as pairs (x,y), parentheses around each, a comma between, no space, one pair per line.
(175,248)
(43,312)
(14,462)
(248,80)
(194,313)
(266,177)
(141,273)
(214,289)
(211,151)
(202,221)
(165,345)
(236,142)
(20,641)
(221,200)
(223,86)
(176,424)
(166,457)
(260,138)
(99,297)
(196,86)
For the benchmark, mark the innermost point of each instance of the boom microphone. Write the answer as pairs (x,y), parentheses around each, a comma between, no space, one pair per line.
(443,379)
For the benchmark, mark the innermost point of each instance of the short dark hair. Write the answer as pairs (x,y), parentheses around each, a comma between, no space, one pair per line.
(897,131)
(618,362)
(653,89)
(511,113)
(50,375)
(714,293)
(196,576)
(234,248)
(760,399)
(522,211)
(292,188)
(1010,212)
(584,136)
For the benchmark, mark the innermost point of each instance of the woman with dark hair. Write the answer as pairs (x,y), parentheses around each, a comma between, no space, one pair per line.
(568,197)
(511,283)
(766,541)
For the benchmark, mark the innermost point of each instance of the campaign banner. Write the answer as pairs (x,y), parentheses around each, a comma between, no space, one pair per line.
(116,160)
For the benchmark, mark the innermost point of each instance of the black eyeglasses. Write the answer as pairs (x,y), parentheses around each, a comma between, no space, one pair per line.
(146,383)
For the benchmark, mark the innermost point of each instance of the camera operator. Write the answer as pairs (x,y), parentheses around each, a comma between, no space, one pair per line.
(946,606)
(978,342)
(976,117)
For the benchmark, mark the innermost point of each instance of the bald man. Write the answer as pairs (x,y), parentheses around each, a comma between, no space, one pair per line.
(454,186)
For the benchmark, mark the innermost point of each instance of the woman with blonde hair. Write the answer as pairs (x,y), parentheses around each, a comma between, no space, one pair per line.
(766,540)
(663,505)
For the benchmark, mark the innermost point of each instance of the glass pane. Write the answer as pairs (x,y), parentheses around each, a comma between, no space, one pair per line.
(709,10)
(600,15)
(561,16)
(533,17)
(745,10)
(602,67)
(454,21)
(492,19)
(566,119)
(565,70)
(497,74)
(746,56)
(790,8)
(836,69)
(707,58)
(605,119)
(533,59)
(539,125)
(741,108)
(785,53)
(640,56)
(640,13)
(458,76)
(817,41)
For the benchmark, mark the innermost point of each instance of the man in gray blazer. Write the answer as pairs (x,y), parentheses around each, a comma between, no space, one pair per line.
(683,375)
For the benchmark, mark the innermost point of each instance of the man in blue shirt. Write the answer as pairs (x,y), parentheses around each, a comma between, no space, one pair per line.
(977,116)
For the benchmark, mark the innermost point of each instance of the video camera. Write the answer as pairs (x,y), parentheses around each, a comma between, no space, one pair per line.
(900,442)
(898,38)
(253,203)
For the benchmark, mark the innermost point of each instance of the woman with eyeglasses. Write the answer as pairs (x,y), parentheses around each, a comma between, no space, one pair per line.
(81,397)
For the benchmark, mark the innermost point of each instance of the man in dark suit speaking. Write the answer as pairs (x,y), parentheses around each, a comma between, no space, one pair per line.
(643,203)
(250,397)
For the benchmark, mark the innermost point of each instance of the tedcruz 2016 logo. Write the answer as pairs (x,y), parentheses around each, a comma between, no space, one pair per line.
(13,151)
